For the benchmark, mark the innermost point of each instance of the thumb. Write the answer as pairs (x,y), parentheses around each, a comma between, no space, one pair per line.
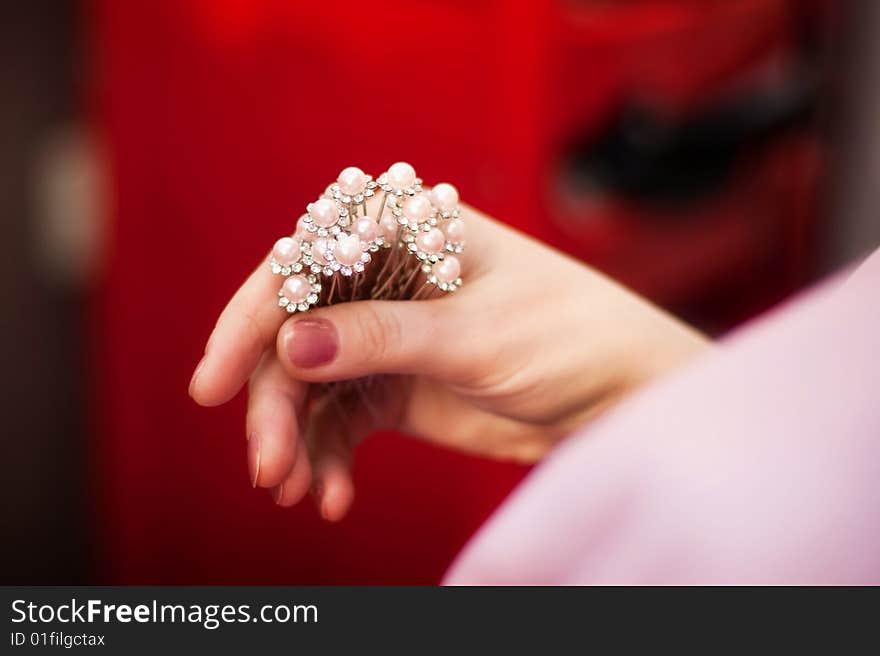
(350,340)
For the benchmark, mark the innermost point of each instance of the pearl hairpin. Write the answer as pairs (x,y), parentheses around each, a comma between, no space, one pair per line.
(414,233)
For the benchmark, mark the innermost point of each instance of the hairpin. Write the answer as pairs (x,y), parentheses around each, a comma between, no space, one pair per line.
(371,239)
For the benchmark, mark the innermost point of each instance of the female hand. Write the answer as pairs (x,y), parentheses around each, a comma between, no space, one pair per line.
(531,347)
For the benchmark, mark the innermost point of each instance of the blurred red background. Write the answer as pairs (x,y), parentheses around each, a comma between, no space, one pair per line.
(221,119)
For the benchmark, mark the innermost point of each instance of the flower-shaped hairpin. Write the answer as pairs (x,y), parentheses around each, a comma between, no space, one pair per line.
(371,239)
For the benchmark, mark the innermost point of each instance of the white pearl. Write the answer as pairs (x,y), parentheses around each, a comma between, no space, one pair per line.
(445,196)
(324,213)
(352,181)
(286,251)
(347,249)
(417,209)
(401,175)
(297,289)
(431,241)
(455,231)
(448,269)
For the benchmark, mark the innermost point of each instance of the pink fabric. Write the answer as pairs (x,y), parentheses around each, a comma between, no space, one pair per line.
(759,463)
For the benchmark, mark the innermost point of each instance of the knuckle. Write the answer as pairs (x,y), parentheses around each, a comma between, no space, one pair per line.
(248,324)
(379,330)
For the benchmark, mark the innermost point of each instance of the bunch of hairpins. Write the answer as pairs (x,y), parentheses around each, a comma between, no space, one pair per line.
(341,251)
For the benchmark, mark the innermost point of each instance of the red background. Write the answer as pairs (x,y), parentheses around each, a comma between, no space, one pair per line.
(222,119)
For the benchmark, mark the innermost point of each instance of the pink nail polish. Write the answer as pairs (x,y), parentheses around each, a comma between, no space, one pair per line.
(312,343)
(254,458)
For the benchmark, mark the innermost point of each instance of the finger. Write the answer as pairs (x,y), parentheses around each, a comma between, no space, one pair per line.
(245,329)
(274,402)
(340,421)
(296,484)
(351,340)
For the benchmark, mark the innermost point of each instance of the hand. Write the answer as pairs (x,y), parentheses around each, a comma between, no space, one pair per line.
(531,347)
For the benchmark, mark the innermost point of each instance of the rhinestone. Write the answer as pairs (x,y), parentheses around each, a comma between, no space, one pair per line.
(291,308)
(302,307)
(276,268)
(312,298)
(283,301)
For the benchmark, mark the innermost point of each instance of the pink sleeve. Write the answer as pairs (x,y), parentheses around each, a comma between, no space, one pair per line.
(759,463)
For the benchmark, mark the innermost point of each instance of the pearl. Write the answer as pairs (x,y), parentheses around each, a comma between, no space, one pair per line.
(301,230)
(417,209)
(347,249)
(448,269)
(401,175)
(388,227)
(297,289)
(366,229)
(286,251)
(454,230)
(319,250)
(445,196)
(324,213)
(432,241)
(352,181)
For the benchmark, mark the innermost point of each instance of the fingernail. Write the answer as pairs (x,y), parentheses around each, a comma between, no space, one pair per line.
(312,343)
(254,458)
(198,370)
(278,493)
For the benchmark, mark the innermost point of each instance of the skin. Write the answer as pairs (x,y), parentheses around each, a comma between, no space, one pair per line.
(533,346)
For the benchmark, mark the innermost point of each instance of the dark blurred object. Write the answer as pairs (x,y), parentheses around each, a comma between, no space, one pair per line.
(668,164)
(854,203)
(43,522)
